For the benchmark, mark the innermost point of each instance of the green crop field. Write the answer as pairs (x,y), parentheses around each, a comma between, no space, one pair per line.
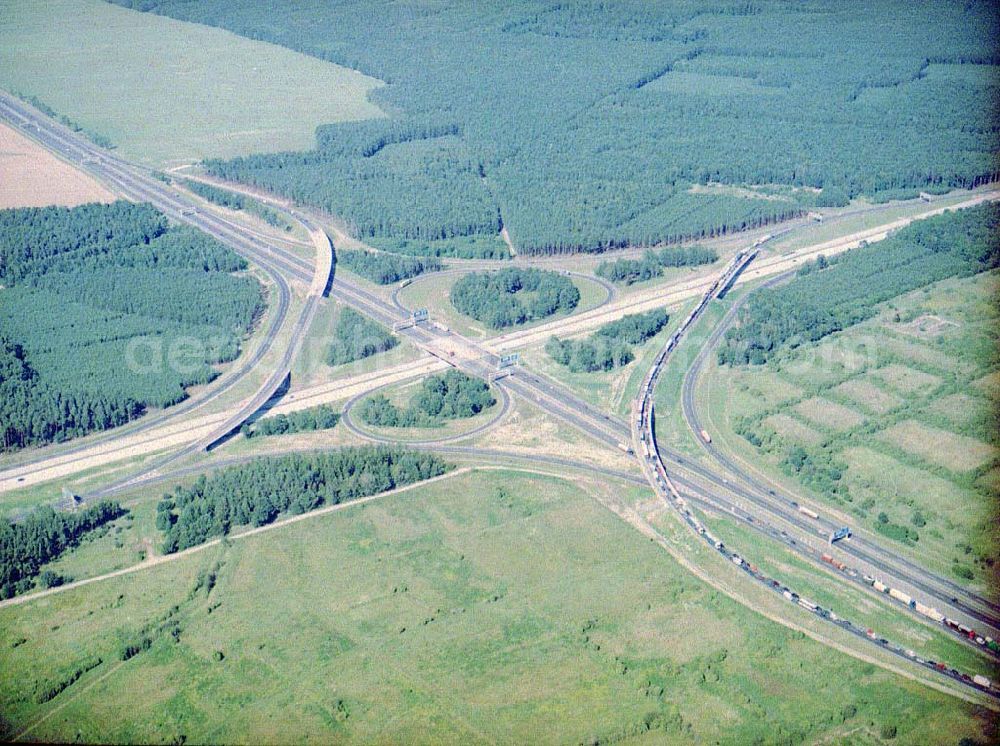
(892,403)
(168,92)
(490,607)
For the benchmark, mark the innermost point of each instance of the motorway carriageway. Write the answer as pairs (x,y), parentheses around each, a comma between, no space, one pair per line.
(178,433)
(549,395)
(976,607)
(110,170)
(273,260)
(82,154)
(929,585)
(643,436)
(299,268)
(680,292)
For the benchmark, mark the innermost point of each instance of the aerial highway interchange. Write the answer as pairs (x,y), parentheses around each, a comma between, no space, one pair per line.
(717,483)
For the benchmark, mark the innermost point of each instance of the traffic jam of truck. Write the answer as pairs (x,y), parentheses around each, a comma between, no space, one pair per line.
(645,431)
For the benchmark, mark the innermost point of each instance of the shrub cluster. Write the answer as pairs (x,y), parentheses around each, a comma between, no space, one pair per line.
(629,271)
(818,470)
(461,247)
(610,346)
(42,537)
(356,337)
(514,295)
(322,417)
(237,201)
(895,531)
(257,492)
(448,396)
(589,355)
(383,268)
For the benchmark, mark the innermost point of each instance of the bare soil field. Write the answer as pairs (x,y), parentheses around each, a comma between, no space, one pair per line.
(953,451)
(959,409)
(868,395)
(30,176)
(907,380)
(928,325)
(791,429)
(829,414)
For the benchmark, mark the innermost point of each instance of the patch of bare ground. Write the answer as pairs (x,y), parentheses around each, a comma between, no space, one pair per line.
(868,395)
(928,325)
(950,450)
(527,430)
(829,414)
(792,430)
(30,176)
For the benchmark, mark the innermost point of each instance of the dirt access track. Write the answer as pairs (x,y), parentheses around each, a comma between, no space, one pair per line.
(30,176)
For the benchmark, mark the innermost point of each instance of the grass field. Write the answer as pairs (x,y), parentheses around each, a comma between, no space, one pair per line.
(946,449)
(491,607)
(899,406)
(18,501)
(167,92)
(123,543)
(867,395)
(906,380)
(789,427)
(829,414)
(310,367)
(671,428)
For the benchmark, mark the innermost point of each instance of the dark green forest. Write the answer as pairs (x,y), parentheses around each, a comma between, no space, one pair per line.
(384,269)
(513,296)
(41,537)
(610,346)
(256,493)
(446,396)
(97,319)
(830,295)
(356,337)
(593,124)
(322,417)
(629,271)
